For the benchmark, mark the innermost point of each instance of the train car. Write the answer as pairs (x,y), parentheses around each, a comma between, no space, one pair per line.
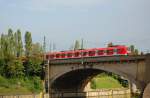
(108,51)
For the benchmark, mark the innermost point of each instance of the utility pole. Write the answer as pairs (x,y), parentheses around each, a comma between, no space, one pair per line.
(43,66)
(48,78)
(44,44)
(82,44)
(50,47)
(48,69)
(82,51)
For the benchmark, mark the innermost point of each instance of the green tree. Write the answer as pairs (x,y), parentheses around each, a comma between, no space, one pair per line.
(37,50)
(19,44)
(10,43)
(2,46)
(2,65)
(5,47)
(93,84)
(33,65)
(136,52)
(132,49)
(77,45)
(14,68)
(110,44)
(28,44)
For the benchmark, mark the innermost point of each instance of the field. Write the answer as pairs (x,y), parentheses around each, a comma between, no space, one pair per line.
(105,82)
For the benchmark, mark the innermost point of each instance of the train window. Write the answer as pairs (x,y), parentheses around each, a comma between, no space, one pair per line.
(115,50)
(84,53)
(110,52)
(63,55)
(47,56)
(77,54)
(119,50)
(57,55)
(100,52)
(91,53)
(105,51)
(69,54)
(51,56)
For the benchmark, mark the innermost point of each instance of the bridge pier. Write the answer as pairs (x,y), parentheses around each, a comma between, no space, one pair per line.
(146,93)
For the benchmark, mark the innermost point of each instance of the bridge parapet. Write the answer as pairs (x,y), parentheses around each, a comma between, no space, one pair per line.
(98,59)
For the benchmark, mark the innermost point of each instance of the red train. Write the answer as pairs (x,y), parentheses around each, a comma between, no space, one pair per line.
(94,52)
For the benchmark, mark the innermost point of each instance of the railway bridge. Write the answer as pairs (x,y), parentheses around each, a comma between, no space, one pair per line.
(73,74)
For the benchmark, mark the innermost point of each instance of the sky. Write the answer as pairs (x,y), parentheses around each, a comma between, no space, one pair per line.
(97,22)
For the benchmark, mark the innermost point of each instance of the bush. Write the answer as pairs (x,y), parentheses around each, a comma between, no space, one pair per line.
(93,84)
(4,82)
(30,84)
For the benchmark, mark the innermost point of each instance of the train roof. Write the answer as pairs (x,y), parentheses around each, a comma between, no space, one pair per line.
(90,49)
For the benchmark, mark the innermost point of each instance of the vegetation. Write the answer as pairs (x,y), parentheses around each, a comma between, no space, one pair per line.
(20,64)
(77,45)
(20,86)
(107,81)
(133,50)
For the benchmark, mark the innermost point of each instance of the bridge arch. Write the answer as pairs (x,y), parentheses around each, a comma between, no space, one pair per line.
(77,78)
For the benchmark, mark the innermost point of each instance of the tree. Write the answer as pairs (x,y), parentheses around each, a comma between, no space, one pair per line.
(5,47)
(37,50)
(110,44)
(14,68)
(77,45)
(33,65)
(28,44)
(10,43)
(136,52)
(19,43)
(93,84)
(132,49)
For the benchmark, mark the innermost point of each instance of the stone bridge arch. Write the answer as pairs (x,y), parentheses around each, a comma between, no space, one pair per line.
(84,73)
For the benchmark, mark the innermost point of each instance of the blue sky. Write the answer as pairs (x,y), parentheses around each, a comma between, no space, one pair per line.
(96,21)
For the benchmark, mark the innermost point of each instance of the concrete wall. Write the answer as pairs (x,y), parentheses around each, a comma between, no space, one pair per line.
(24,96)
(95,93)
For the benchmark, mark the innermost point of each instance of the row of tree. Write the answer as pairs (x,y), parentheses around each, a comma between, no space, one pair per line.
(18,59)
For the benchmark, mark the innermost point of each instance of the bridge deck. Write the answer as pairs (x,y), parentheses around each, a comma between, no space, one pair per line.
(102,59)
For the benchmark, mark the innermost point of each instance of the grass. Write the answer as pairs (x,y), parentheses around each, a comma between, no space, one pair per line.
(13,91)
(106,82)
(20,86)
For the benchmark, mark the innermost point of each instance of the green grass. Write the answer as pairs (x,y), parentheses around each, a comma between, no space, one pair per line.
(12,91)
(106,82)
(20,86)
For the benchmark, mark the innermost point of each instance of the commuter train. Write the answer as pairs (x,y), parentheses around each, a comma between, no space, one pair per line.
(93,52)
